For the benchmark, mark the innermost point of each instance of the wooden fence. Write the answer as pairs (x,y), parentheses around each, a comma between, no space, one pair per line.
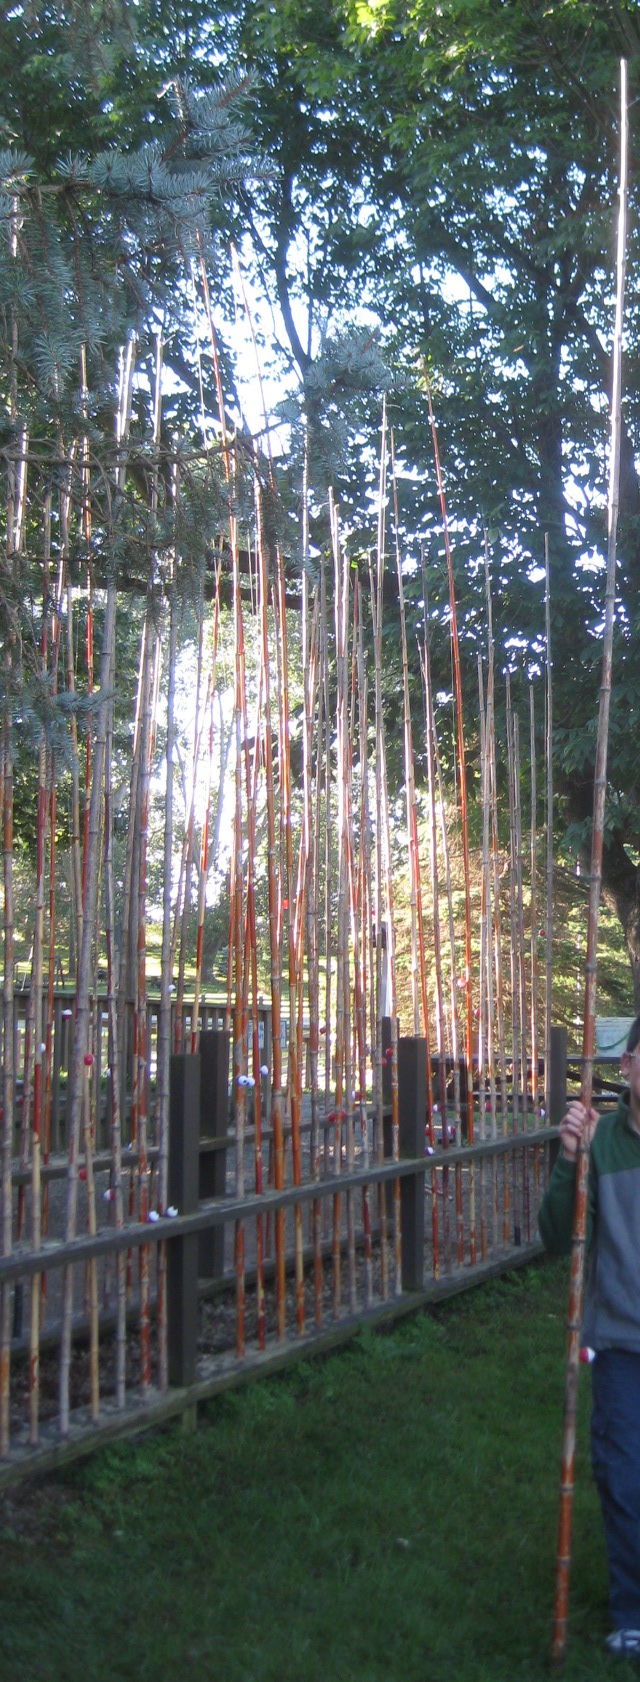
(244,1282)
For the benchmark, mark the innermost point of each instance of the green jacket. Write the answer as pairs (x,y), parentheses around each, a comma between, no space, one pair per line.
(612,1297)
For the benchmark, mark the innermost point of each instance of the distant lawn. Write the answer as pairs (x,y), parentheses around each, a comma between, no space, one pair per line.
(387,1515)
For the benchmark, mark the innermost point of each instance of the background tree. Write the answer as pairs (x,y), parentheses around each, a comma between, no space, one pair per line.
(441,189)
(449,173)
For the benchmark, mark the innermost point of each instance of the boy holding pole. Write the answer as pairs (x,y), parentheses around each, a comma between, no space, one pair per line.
(611,1323)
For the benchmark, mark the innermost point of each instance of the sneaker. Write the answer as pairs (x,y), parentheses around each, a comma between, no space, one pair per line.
(624,1642)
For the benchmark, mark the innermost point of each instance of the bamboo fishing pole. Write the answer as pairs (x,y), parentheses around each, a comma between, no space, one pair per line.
(548,835)
(89,737)
(535,978)
(522,998)
(358,910)
(497,915)
(312,785)
(252,1081)
(75,767)
(203,869)
(563,1557)
(393,996)
(417,970)
(369,962)
(535,1093)
(495,844)
(284,757)
(232,877)
(183,907)
(81,1049)
(236,882)
(51,1009)
(433,750)
(353,1020)
(128,875)
(306,895)
(81,1039)
(522,985)
(418,947)
(485,1011)
(456,983)
(129,925)
(164,1012)
(92,1227)
(115,1094)
(384,993)
(239,1051)
(433,773)
(513,957)
(383,854)
(147,738)
(441,1032)
(308,650)
(141,1023)
(32,1061)
(36,990)
(8,980)
(8,1059)
(86,537)
(306,844)
(251,963)
(313,960)
(51,970)
(328,858)
(324,860)
(275,944)
(462,774)
(340,612)
(286,842)
(488,729)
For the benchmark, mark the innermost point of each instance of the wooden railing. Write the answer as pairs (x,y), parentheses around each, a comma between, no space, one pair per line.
(243,1282)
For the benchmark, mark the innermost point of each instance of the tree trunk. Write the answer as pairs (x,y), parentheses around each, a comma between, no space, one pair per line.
(621,890)
(620,876)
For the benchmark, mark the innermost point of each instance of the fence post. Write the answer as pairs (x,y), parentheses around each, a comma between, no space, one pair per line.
(557,1084)
(464,1100)
(412,1096)
(182,1253)
(266,1058)
(214,1118)
(387,1130)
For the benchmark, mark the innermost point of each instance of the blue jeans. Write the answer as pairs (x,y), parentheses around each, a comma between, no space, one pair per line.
(615,1457)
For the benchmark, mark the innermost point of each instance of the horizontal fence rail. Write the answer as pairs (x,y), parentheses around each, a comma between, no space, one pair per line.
(219,1212)
(225,1281)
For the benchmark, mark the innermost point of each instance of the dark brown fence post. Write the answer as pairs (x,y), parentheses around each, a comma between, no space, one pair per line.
(182,1253)
(557,1076)
(266,1060)
(214,1120)
(387,1139)
(464,1100)
(412,1097)
(557,1086)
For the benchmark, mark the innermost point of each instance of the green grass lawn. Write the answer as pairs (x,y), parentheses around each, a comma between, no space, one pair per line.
(387,1515)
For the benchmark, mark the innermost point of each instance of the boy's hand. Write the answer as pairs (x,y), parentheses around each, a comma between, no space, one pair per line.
(578,1124)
